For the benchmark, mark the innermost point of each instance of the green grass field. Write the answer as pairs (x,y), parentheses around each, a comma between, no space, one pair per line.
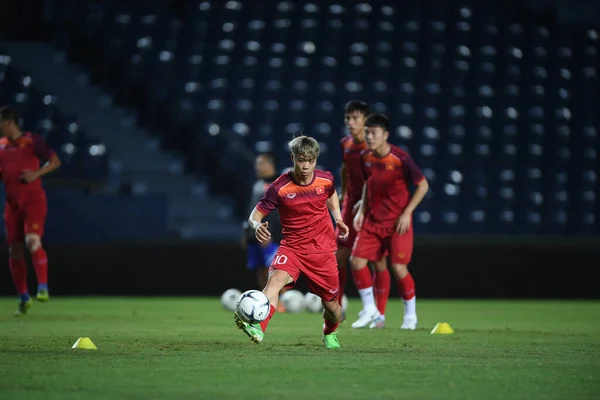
(190,349)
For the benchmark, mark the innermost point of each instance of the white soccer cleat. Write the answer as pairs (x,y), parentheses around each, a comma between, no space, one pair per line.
(378,323)
(365,319)
(410,322)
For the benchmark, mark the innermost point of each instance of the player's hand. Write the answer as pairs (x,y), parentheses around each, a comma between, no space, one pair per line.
(28,176)
(403,223)
(262,233)
(356,207)
(343,228)
(358,220)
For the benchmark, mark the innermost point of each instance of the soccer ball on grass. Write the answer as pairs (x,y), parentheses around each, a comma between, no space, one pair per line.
(313,303)
(229,299)
(293,300)
(253,306)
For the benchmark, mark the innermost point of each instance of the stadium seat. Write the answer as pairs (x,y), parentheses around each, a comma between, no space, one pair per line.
(501,115)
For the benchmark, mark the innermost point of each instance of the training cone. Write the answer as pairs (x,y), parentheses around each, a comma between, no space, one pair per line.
(84,343)
(442,328)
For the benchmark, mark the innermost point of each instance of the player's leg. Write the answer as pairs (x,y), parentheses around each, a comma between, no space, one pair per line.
(15,236)
(367,247)
(268,254)
(381,289)
(35,217)
(342,256)
(401,254)
(322,275)
(284,271)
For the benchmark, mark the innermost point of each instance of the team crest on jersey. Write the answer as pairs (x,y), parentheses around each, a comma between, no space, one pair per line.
(291,195)
(389,167)
(320,190)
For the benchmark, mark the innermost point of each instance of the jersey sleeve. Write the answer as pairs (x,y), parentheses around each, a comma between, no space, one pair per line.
(269,202)
(40,148)
(412,172)
(331,189)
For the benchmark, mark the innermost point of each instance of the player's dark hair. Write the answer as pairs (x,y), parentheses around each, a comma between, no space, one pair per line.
(357,105)
(377,120)
(8,113)
(270,157)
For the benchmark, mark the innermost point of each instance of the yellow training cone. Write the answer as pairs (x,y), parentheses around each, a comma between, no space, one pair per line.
(442,328)
(84,343)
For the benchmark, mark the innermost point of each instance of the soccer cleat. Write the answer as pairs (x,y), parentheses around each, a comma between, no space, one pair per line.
(24,306)
(254,332)
(43,295)
(365,318)
(331,341)
(410,322)
(378,323)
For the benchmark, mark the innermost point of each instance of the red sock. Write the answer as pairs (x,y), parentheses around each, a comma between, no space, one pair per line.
(406,287)
(362,278)
(343,275)
(40,263)
(263,325)
(330,327)
(382,289)
(18,269)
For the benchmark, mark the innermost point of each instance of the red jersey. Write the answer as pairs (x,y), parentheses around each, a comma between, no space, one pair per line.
(355,178)
(25,153)
(387,183)
(305,219)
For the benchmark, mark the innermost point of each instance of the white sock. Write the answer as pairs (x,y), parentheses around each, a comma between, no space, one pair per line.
(368,299)
(410,307)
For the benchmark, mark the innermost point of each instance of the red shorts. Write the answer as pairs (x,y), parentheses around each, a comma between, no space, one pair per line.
(24,218)
(320,269)
(348,219)
(373,241)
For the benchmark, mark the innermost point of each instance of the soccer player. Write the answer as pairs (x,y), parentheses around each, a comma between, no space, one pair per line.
(356,111)
(260,255)
(305,197)
(21,154)
(384,219)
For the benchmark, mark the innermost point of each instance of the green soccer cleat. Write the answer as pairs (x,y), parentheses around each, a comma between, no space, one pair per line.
(254,332)
(43,295)
(24,306)
(331,341)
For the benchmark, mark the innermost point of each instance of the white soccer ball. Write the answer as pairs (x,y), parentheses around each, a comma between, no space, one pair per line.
(313,303)
(344,303)
(293,300)
(253,306)
(229,299)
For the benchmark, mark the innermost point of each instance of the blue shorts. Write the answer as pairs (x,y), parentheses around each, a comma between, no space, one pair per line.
(261,257)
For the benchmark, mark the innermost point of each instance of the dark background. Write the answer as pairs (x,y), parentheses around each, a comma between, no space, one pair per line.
(444,267)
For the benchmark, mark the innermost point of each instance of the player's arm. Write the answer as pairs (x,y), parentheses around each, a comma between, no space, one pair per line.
(43,152)
(414,174)
(51,165)
(418,195)
(333,204)
(344,179)
(265,206)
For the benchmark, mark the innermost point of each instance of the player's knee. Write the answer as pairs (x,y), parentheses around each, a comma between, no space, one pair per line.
(400,270)
(357,263)
(16,250)
(279,278)
(33,241)
(380,265)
